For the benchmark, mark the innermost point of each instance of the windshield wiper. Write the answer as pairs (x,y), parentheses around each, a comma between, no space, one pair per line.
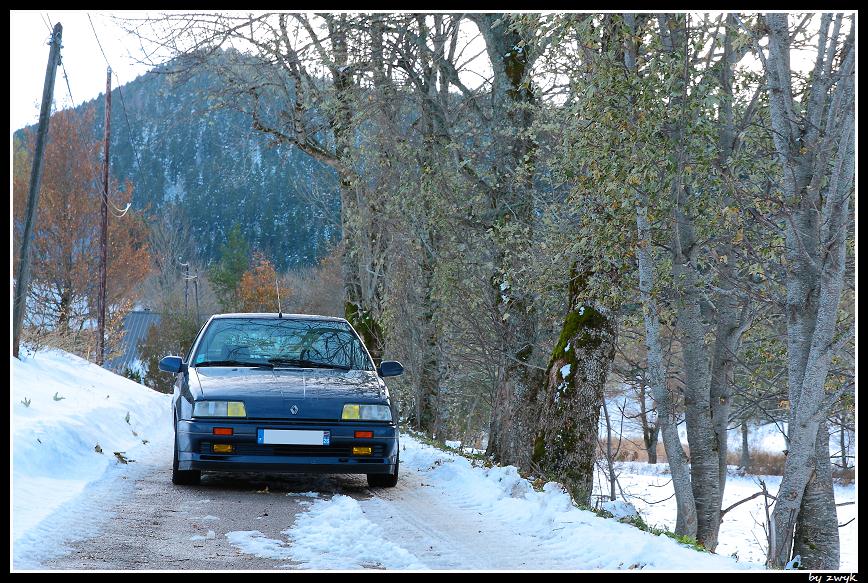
(302,363)
(235,363)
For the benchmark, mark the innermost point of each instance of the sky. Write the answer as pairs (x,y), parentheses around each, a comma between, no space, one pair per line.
(85,65)
(83,60)
(80,54)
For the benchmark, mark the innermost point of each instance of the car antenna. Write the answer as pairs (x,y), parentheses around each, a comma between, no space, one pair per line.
(277,285)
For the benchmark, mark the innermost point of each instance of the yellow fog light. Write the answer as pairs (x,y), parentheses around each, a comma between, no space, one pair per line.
(235,409)
(361,451)
(366,412)
(219,409)
(222,448)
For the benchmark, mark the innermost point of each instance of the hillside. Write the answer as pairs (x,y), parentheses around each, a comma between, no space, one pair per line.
(175,145)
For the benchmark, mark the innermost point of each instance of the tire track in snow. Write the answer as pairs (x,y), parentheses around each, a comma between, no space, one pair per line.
(445,535)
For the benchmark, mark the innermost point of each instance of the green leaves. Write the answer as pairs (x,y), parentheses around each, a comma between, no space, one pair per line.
(234,261)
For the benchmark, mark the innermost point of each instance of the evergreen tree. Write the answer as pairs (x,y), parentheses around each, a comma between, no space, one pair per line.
(226,275)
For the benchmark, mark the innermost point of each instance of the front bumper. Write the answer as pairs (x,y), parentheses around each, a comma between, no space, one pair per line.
(196,438)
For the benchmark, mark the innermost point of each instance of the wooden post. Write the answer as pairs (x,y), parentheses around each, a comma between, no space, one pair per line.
(196,291)
(103,239)
(186,288)
(22,286)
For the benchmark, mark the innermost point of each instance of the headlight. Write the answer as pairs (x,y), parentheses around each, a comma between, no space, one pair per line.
(366,413)
(219,409)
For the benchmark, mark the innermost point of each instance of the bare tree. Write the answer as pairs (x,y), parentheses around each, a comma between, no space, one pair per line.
(813,135)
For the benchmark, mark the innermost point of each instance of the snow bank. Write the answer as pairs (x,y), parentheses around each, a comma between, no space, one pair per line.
(587,540)
(620,510)
(649,487)
(73,407)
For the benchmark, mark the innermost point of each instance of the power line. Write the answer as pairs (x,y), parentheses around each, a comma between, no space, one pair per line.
(116,211)
(129,128)
(120,92)
(96,36)
(46,23)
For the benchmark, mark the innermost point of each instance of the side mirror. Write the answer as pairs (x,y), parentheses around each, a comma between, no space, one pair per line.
(173,364)
(390,368)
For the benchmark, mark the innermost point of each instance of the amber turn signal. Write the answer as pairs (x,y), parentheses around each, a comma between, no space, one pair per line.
(361,451)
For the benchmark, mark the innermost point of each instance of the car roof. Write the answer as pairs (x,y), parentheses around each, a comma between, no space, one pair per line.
(275,315)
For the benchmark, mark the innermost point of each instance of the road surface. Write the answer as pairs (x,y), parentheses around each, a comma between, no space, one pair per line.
(140,520)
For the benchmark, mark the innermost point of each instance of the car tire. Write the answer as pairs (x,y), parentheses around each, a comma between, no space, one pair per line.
(384,480)
(183,477)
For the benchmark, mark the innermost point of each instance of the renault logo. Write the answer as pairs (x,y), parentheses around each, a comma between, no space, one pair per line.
(293,409)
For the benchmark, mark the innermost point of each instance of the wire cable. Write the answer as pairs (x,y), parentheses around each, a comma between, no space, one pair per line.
(115,210)
(120,92)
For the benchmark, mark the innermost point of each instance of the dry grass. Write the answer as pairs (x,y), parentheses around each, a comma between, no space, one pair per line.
(843,477)
(761,463)
(634,451)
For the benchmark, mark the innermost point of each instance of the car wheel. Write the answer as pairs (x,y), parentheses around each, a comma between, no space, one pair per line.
(384,480)
(183,477)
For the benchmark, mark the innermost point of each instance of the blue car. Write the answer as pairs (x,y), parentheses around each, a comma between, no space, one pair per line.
(282,393)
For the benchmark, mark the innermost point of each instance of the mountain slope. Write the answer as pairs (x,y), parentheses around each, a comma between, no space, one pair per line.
(175,145)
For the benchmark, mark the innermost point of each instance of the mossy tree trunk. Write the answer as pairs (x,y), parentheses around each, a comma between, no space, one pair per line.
(569,408)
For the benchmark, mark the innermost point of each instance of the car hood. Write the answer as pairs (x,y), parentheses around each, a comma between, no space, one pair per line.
(271,394)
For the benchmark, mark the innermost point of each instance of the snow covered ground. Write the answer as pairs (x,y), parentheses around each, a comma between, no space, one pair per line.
(69,416)
(446,512)
(649,489)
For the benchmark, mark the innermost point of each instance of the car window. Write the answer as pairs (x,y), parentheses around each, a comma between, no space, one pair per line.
(281,342)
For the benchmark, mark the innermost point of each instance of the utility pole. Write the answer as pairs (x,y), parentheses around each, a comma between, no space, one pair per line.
(186,286)
(22,287)
(103,239)
(196,291)
(186,267)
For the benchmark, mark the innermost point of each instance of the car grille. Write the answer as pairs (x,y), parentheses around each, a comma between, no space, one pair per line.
(341,450)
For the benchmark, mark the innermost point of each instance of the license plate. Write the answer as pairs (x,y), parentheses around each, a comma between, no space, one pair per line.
(292,437)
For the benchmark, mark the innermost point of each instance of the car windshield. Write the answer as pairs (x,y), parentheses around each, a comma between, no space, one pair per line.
(281,343)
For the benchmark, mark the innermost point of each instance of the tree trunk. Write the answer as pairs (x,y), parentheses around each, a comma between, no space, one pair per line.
(704,462)
(816,537)
(651,444)
(650,430)
(704,446)
(430,409)
(610,462)
(566,442)
(745,451)
(685,522)
(843,437)
(512,54)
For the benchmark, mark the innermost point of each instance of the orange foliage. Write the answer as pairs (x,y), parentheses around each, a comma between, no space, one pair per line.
(65,252)
(257,291)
